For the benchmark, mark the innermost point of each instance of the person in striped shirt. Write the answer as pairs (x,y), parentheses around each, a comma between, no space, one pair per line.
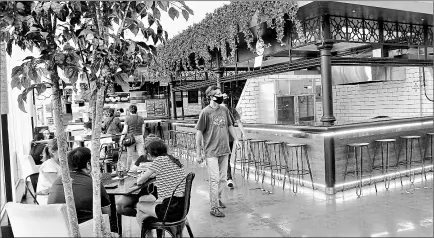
(169,173)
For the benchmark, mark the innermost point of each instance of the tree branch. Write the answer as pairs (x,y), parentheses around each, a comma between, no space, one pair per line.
(121,26)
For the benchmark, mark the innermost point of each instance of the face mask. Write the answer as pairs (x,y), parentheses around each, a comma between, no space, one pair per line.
(218,99)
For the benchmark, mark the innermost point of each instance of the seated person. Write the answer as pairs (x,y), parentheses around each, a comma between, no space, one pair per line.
(126,204)
(36,149)
(46,134)
(48,172)
(169,173)
(80,169)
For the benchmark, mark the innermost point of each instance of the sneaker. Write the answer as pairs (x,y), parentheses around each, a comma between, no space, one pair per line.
(221,205)
(230,183)
(216,212)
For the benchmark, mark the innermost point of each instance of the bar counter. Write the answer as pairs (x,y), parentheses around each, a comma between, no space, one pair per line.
(326,145)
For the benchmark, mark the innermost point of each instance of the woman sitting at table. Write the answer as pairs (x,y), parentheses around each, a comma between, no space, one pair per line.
(48,172)
(126,204)
(169,173)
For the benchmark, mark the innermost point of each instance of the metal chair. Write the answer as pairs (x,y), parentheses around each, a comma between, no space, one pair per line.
(240,157)
(296,169)
(174,228)
(428,147)
(358,171)
(256,156)
(34,181)
(409,162)
(383,145)
(273,149)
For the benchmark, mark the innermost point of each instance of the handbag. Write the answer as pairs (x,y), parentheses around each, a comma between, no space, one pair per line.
(129,139)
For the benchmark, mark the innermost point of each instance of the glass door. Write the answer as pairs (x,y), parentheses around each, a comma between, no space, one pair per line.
(285,109)
(305,108)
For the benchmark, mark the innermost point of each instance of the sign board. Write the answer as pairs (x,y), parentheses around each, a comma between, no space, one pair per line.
(156,107)
(118,97)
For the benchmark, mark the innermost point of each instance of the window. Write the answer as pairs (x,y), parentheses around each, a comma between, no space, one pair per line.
(179,98)
(193,97)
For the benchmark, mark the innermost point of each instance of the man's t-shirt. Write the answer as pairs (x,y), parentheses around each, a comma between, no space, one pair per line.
(83,192)
(214,124)
(135,124)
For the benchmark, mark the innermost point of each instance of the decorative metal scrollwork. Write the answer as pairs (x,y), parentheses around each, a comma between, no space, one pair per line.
(338,28)
(355,30)
(372,33)
(430,36)
(297,40)
(417,35)
(404,33)
(312,29)
(389,32)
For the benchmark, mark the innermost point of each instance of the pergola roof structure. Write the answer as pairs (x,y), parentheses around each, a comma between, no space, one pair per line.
(352,28)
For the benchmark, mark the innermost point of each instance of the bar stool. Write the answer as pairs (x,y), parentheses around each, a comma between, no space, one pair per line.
(171,141)
(256,158)
(358,171)
(273,149)
(293,168)
(428,147)
(191,145)
(383,144)
(409,159)
(240,157)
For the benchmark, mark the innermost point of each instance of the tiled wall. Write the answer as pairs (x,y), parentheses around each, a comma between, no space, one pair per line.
(395,98)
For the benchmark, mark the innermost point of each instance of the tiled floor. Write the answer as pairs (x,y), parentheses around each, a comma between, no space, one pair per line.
(401,211)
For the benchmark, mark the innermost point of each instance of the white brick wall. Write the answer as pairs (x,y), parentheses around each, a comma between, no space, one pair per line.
(397,99)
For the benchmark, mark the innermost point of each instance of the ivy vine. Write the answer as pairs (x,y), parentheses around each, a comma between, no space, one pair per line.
(219,30)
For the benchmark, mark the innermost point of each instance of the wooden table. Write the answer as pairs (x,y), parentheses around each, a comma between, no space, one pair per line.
(126,186)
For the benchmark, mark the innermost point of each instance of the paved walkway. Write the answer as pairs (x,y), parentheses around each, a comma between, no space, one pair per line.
(401,211)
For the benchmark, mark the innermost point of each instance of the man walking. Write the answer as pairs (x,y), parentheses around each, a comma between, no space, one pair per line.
(213,129)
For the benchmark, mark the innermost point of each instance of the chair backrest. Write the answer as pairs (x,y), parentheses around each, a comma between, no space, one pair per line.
(187,194)
(34,180)
(29,220)
(28,166)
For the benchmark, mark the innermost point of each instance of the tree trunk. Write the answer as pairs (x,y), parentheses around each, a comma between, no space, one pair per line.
(61,143)
(96,177)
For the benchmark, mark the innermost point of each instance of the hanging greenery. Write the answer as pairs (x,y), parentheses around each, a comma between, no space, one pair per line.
(219,30)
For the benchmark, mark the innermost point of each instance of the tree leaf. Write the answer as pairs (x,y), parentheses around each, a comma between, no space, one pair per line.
(25,81)
(17,71)
(9,47)
(121,80)
(173,13)
(188,9)
(134,29)
(151,20)
(143,45)
(28,58)
(41,88)
(163,5)
(154,50)
(16,82)
(156,13)
(131,47)
(185,14)
(166,35)
(21,103)
(33,75)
